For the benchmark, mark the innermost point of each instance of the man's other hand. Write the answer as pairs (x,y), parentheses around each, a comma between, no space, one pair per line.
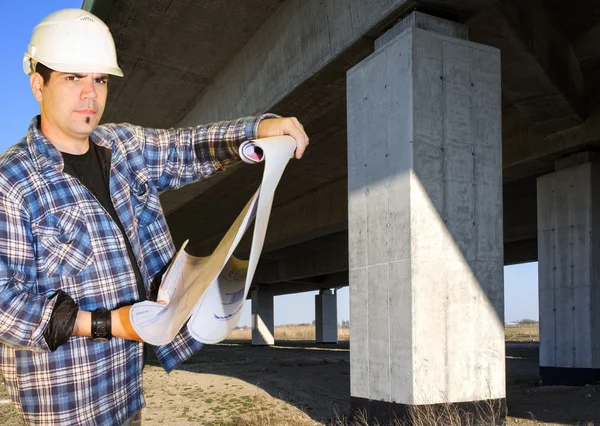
(285,126)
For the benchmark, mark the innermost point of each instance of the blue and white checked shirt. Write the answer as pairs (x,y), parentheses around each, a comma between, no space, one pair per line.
(55,235)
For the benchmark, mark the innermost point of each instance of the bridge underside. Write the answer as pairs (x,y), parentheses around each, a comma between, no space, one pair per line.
(195,62)
(233,60)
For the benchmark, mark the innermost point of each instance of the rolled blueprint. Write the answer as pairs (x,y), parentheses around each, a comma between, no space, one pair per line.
(210,291)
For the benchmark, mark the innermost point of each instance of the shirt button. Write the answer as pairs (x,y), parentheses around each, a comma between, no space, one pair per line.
(115,200)
(129,232)
(140,263)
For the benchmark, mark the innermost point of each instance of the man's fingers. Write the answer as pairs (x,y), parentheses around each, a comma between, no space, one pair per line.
(285,126)
(300,138)
(299,151)
(296,131)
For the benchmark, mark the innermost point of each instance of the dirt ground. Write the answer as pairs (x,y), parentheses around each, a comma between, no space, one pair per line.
(300,383)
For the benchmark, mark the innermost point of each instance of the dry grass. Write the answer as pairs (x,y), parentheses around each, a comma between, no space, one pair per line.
(268,418)
(262,412)
(447,415)
(442,414)
(289,333)
(519,333)
(523,333)
(438,414)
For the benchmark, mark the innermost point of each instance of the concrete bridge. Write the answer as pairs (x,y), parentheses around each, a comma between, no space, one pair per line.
(448,139)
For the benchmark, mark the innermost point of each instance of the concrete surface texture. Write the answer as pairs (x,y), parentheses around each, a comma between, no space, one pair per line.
(427,23)
(291,57)
(263,320)
(569,257)
(455,215)
(326,319)
(425,221)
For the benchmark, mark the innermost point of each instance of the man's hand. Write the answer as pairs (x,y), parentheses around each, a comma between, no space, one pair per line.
(285,126)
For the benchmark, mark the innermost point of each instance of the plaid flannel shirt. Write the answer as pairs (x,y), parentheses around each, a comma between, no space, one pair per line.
(55,235)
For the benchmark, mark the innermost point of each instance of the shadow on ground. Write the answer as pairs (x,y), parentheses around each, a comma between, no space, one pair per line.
(551,404)
(316,379)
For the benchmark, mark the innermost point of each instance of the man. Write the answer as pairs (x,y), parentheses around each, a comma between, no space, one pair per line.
(82,232)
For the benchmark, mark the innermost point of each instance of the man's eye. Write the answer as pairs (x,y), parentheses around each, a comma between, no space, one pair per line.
(71,78)
(101,80)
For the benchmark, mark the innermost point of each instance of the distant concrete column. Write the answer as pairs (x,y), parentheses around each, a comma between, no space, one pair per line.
(263,320)
(568,205)
(326,326)
(425,225)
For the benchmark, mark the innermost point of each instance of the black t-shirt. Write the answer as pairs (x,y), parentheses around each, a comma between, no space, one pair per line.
(87,169)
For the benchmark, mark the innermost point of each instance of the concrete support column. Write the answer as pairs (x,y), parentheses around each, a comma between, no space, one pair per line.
(569,272)
(425,226)
(263,319)
(326,329)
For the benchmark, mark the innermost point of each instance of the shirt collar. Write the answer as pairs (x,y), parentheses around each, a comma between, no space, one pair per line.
(44,154)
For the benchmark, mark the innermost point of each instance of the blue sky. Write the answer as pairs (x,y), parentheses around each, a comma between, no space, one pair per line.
(18,19)
(19,106)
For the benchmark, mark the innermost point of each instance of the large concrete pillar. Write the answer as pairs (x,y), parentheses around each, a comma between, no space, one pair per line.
(425,225)
(569,272)
(326,327)
(263,319)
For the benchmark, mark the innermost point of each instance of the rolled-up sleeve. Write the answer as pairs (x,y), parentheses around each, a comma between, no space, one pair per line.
(177,157)
(23,314)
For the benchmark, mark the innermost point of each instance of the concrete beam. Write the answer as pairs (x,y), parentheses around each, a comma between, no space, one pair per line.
(521,251)
(315,214)
(527,153)
(517,134)
(99,8)
(320,217)
(579,21)
(519,210)
(293,287)
(296,64)
(524,150)
(427,23)
(299,39)
(327,258)
(577,159)
(540,72)
(335,280)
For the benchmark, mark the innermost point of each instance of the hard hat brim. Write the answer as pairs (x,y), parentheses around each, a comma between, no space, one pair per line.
(74,68)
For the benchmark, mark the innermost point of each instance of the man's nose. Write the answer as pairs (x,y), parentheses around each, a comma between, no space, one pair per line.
(88,90)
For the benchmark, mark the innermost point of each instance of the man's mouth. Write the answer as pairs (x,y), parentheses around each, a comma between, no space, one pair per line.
(86,111)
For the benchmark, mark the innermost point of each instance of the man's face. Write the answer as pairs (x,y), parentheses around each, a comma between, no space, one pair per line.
(71,104)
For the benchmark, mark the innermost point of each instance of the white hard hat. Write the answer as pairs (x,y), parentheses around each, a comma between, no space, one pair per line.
(72,40)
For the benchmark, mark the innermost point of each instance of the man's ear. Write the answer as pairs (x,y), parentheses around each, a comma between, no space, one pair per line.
(37,85)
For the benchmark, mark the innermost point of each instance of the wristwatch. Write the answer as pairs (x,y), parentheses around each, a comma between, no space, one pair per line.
(101,325)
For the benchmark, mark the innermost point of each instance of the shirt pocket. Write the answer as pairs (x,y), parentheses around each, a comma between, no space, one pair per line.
(145,203)
(64,246)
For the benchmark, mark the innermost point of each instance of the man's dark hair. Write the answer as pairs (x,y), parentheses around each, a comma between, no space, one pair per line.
(44,71)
